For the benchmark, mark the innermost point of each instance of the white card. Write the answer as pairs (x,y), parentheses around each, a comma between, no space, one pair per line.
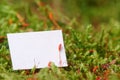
(37,49)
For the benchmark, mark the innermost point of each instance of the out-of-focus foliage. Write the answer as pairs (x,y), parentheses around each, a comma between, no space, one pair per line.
(88,11)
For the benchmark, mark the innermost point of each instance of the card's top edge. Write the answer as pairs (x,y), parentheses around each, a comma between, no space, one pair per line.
(35,32)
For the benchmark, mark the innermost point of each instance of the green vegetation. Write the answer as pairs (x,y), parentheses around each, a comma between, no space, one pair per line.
(93,53)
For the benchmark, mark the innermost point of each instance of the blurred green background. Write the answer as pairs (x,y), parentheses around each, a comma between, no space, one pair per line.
(94,12)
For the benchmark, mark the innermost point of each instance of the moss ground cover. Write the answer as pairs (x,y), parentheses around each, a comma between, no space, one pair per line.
(92,54)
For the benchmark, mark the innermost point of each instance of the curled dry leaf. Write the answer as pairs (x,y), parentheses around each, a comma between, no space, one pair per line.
(51,17)
(2,38)
(10,21)
(91,51)
(95,69)
(106,74)
(25,25)
(105,66)
(98,78)
(21,19)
